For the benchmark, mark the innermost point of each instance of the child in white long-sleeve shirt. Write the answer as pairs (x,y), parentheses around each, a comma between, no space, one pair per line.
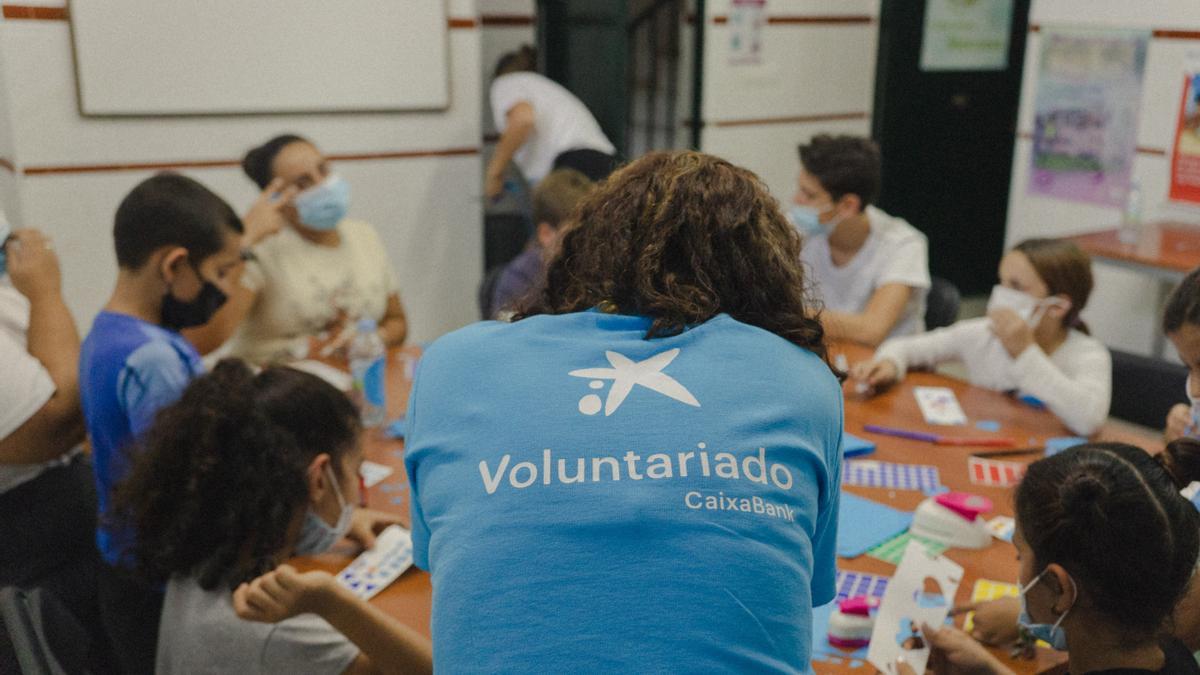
(1031,343)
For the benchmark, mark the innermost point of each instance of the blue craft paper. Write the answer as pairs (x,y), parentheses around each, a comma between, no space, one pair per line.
(820,643)
(864,524)
(396,428)
(987,425)
(853,446)
(1057,445)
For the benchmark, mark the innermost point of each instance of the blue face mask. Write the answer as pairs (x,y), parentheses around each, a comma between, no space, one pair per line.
(318,536)
(1051,634)
(807,220)
(323,206)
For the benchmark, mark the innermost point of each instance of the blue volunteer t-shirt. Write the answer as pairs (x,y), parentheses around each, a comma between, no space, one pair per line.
(586,499)
(128,370)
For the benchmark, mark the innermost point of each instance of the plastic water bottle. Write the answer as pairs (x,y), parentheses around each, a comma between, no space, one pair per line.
(1131,219)
(368,364)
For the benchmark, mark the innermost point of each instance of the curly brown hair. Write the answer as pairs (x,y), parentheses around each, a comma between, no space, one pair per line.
(680,237)
(220,476)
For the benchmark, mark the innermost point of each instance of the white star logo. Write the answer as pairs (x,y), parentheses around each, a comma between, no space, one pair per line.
(625,374)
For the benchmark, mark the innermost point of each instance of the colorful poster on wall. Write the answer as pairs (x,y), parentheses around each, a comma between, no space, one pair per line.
(966,34)
(1185,160)
(1089,90)
(746,21)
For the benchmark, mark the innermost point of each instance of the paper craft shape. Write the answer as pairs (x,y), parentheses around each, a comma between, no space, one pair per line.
(1002,527)
(992,472)
(892,550)
(853,446)
(373,472)
(864,524)
(939,405)
(984,590)
(906,605)
(375,569)
(872,473)
(853,584)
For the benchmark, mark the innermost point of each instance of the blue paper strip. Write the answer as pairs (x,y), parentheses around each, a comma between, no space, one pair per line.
(864,524)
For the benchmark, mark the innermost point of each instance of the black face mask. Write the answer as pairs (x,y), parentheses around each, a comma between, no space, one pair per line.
(177,314)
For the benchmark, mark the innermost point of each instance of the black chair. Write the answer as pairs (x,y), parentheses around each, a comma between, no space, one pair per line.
(40,635)
(941,305)
(1145,388)
(504,237)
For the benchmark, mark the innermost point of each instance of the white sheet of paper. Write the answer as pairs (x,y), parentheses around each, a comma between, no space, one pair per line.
(939,405)
(339,379)
(376,569)
(373,473)
(905,603)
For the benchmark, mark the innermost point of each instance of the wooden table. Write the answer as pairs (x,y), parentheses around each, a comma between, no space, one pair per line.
(409,598)
(1165,251)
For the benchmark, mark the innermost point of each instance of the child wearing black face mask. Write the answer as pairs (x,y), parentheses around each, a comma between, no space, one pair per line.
(178,245)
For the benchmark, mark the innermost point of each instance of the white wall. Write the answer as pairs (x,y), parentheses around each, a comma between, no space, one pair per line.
(1123,310)
(69,182)
(817,76)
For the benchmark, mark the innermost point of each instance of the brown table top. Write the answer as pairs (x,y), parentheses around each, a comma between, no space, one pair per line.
(1165,245)
(409,598)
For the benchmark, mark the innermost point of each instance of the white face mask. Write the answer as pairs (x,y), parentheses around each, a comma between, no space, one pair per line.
(1030,309)
(318,536)
(807,219)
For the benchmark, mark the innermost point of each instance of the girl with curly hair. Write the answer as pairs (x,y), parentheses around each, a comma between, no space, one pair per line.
(241,473)
(642,471)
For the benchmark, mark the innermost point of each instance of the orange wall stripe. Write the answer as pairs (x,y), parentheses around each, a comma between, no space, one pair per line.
(1141,149)
(1160,33)
(35,12)
(7,165)
(225,163)
(462,22)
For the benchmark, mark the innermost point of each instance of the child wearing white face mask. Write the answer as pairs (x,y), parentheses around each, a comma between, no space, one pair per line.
(1107,547)
(243,472)
(1031,343)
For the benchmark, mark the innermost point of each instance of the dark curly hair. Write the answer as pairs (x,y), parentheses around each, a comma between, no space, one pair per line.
(681,237)
(219,477)
(1112,516)
(844,165)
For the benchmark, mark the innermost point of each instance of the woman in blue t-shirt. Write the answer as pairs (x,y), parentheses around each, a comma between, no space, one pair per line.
(640,473)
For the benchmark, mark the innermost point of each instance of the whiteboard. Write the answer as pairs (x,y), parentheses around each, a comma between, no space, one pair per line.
(206,57)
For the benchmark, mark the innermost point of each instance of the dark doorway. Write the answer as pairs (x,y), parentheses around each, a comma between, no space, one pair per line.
(584,47)
(947,139)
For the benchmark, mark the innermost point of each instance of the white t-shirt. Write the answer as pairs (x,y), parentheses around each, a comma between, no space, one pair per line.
(199,632)
(302,286)
(1075,382)
(894,253)
(25,386)
(562,122)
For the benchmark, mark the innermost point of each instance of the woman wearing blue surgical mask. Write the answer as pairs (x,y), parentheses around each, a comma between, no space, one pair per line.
(1107,548)
(306,285)
(1181,324)
(241,473)
(1032,343)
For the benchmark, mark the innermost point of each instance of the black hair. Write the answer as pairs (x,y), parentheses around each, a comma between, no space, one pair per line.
(217,480)
(520,60)
(844,165)
(1112,516)
(169,209)
(1184,304)
(257,162)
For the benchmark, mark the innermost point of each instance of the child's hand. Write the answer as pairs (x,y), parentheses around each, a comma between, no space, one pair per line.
(1178,421)
(877,375)
(1013,332)
(265,217)
(32,265)
(955,652)
(995,621)
(367,523)
(281,594)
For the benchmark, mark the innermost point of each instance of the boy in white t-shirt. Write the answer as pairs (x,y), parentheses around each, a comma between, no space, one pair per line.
(870,269)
